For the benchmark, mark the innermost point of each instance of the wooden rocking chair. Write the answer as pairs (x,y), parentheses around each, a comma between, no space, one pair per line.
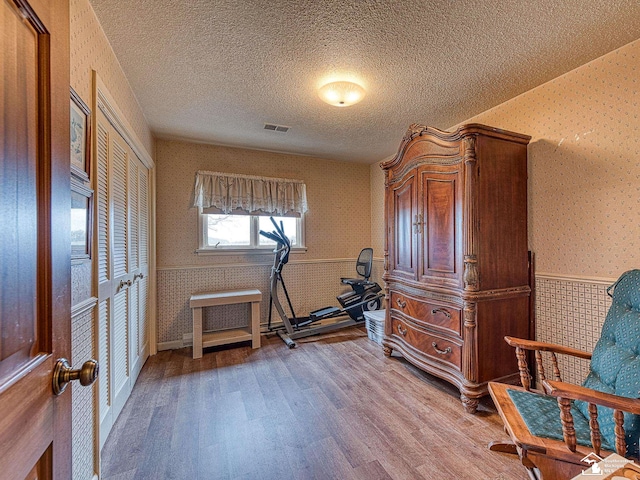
(554,430)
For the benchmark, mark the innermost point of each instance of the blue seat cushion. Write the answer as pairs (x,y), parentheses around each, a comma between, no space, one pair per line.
(541,414)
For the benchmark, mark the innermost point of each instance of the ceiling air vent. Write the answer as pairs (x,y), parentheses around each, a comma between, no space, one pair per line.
(276,128)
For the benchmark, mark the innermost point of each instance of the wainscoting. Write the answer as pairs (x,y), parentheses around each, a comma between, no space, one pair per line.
(311,284)
(570,312)
(83,425)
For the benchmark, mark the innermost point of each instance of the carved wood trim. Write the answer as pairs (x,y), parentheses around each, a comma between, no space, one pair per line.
(470,275)
(469,348)
(417,130)
(470,404)
(427,160)
(523,290)
(451,299)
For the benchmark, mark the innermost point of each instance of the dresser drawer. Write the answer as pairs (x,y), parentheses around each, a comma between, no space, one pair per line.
(431,345)
(425,312)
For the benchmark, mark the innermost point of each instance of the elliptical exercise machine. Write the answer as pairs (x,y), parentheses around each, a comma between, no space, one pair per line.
(364,296)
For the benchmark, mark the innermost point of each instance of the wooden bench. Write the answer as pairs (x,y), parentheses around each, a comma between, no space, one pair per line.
(210,339)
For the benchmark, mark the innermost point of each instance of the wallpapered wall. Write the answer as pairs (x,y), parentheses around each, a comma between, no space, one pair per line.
(584,165)
(337,223)
(90,50)
(337,227)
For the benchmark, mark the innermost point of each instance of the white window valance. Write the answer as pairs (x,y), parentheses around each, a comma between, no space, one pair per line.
(231,192)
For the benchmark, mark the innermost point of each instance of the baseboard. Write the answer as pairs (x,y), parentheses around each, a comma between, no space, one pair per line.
(172,345)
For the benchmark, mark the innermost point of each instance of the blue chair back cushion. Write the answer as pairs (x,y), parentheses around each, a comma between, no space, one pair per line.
(615,364)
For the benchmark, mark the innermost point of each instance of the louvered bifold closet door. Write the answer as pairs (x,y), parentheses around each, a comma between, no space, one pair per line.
(143,262)
(121,283)
(122,269)
(103,271)
(134,264)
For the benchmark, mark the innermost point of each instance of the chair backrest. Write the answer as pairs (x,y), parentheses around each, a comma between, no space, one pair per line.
(364,262)
(615,364)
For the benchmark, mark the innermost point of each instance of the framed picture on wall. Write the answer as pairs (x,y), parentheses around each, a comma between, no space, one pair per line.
(80,126)
(81,221)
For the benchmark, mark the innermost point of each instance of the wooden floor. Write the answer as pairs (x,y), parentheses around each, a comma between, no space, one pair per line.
(333,408)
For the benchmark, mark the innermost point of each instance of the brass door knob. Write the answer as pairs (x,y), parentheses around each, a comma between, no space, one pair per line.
(63,374)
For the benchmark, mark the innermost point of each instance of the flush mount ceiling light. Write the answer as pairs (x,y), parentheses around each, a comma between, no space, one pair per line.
(341,94)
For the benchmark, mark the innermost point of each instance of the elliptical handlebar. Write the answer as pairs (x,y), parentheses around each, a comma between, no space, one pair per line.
(283,246)
(271,236)
(280,232)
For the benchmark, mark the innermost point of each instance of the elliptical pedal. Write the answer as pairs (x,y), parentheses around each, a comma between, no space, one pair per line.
(323,313)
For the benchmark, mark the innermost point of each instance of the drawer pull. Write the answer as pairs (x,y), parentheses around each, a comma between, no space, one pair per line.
(443,311)
(400,303)
(401,331)
(441,352)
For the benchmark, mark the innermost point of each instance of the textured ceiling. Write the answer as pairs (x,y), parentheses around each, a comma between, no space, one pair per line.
(217,71)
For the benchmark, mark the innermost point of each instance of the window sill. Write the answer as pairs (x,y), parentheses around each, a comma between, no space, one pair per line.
(244,251)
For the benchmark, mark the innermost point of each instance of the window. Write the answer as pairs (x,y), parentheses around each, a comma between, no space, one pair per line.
(233,233)
(228,203)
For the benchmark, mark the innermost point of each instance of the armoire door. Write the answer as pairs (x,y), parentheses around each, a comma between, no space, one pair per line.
(404,227)
(35,269)
(440,214)
(122,269)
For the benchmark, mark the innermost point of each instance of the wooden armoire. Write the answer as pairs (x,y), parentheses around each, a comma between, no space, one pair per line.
(457,267)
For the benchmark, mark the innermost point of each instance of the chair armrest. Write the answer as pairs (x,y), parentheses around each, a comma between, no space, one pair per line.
(546,347)
(574,392)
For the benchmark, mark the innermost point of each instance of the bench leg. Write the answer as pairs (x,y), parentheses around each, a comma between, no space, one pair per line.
(197,332)
(255,324)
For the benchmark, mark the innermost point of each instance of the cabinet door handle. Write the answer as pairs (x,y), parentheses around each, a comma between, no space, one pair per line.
(400,303)
(443,311)
(441,352)
(418,222)
(402,331)
(124,283)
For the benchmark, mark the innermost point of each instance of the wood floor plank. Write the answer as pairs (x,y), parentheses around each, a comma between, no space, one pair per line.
(334,407)
(354,446)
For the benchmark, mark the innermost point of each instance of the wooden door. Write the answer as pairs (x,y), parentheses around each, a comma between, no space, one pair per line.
(403,223)
(440,231)
(35,313)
